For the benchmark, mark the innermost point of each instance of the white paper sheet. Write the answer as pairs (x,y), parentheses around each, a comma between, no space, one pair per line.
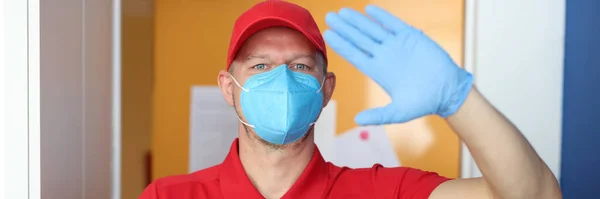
(213,127)
(362,147)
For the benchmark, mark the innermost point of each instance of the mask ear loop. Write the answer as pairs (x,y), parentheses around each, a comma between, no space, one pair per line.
(240,119)
(322,83)
(238,84)
(246,90)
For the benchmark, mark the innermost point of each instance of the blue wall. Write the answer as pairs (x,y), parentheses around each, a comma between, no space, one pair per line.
(580,169)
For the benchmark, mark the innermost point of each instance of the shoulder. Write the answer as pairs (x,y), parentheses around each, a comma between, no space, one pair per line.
(389,182)
(206,180)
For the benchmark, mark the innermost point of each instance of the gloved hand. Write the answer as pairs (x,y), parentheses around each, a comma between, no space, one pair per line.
(418,74)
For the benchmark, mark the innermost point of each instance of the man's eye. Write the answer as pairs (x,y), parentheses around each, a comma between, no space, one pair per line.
(300,67)
(260,66)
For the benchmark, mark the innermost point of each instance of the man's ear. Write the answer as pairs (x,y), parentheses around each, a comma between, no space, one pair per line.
(328,87)
(226,85)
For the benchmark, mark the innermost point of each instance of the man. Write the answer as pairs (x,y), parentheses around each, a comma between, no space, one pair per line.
(277,81)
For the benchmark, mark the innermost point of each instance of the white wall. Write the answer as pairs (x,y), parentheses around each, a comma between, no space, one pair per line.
(76,86)
(515,50)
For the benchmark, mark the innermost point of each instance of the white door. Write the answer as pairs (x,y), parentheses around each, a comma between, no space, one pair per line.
(62,90)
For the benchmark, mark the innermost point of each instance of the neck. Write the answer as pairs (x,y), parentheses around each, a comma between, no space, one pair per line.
(274,171)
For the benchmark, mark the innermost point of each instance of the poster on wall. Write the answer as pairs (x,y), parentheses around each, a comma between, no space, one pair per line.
(213,127)
(362,147)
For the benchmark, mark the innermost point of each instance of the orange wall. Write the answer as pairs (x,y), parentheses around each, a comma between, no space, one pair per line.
(191,40)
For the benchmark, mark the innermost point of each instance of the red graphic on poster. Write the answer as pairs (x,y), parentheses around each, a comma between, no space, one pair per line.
(364,135)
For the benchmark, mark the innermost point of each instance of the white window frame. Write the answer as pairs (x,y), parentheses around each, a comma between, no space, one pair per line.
(20,100)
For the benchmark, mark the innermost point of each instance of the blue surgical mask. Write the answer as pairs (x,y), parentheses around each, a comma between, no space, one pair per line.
(281,104)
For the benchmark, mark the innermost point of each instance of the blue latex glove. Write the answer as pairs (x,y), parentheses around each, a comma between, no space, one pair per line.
(418,74)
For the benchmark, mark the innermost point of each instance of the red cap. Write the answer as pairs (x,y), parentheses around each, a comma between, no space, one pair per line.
(272,13)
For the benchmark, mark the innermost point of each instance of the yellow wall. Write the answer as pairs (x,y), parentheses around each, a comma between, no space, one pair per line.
(191,40)
(137,72)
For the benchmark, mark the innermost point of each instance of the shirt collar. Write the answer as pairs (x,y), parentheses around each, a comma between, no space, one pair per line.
(236,184)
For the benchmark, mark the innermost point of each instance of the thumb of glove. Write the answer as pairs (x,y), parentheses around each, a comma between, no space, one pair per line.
(379,116)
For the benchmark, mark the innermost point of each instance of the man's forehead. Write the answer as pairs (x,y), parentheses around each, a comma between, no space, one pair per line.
(278,40)
(267,56)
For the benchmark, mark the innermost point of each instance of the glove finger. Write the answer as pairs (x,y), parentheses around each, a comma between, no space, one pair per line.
(378,116)
(364,24)
(387,19)
(347,50)
(353,35)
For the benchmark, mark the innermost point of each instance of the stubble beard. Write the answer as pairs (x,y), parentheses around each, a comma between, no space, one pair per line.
(251,134)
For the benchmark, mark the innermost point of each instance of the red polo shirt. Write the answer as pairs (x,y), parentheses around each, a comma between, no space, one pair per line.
(320,179)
